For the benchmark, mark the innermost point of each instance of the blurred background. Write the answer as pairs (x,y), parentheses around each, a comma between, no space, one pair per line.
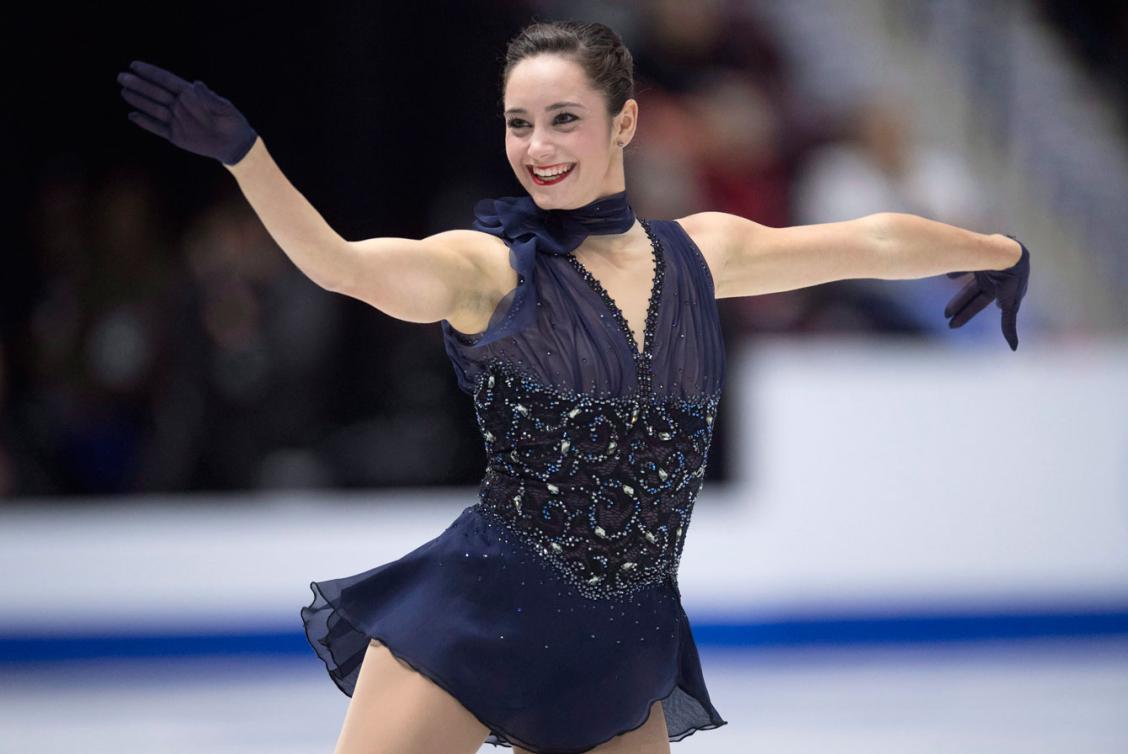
(911,539)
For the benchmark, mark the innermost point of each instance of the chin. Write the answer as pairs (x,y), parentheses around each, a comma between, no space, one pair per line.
(543,198)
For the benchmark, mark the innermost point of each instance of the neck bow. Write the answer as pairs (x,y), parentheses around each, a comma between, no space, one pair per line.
(528,229)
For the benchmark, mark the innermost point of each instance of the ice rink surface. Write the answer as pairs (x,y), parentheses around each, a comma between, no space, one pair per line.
(1033,697)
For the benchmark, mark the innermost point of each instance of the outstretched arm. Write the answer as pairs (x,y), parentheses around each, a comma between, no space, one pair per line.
(746,258)
(451,275)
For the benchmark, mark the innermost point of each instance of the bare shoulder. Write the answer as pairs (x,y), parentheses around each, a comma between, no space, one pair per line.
(713,233)
(488,255)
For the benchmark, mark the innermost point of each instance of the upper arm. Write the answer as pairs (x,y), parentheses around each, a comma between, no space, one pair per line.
(449,275)
(747,258)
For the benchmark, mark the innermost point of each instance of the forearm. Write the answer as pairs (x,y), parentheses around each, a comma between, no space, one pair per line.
(917,247)
(294,224)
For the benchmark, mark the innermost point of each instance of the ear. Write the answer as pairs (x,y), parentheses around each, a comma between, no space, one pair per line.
(624,124)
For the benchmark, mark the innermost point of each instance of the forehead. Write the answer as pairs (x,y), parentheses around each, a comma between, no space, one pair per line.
(542,79)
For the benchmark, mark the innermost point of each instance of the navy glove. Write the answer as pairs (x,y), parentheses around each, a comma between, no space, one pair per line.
(1005,287)
(191,116)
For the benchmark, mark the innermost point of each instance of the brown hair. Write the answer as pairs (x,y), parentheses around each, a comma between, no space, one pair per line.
(594,46)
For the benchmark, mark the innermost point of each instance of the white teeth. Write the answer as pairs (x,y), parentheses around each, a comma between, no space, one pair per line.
(556,172)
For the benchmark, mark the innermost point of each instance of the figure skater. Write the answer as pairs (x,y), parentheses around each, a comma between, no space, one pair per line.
(547,617)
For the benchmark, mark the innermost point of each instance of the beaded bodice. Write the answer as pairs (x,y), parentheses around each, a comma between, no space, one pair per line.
(595,457)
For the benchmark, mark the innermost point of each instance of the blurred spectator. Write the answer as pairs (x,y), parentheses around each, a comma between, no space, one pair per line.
(97,332)
(256,341)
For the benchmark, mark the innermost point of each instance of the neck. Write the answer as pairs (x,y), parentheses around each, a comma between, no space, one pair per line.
(611,244)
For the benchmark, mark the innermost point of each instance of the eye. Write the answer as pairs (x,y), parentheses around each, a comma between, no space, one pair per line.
(518,123)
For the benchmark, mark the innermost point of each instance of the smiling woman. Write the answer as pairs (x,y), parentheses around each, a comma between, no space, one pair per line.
(595,364)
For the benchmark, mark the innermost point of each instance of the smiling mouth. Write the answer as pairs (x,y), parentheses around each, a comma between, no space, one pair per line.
(549,181)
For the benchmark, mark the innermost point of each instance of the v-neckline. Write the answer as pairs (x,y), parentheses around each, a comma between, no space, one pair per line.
(651,303)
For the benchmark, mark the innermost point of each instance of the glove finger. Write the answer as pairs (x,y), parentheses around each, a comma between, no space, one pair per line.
(146,88)
(1010,327)
(147,106)
(160,76)
(151,124)
(976,305)
(960,300)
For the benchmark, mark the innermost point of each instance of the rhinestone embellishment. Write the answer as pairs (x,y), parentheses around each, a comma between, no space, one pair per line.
(609,513)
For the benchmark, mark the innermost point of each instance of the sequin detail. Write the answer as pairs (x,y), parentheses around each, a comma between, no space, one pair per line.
(601,488)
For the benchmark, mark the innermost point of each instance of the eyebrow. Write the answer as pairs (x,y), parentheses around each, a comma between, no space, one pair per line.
(553,106)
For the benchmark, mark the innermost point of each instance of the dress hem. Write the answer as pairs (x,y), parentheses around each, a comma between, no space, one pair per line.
(439,681)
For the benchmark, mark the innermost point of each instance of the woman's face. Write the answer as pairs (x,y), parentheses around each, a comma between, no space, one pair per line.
(542,132)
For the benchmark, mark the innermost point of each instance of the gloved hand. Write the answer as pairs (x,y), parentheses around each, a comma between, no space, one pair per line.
(1005,287)
(191,116)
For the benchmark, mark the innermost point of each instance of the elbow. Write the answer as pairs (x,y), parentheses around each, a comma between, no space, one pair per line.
(883,227)
(326,283)
(882,230)
(334,285)
(340,276)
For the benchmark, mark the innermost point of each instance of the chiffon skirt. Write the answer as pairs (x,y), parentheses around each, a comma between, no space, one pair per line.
(478,612)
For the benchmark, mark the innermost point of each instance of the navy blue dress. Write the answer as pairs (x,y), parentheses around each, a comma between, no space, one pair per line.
(550,607)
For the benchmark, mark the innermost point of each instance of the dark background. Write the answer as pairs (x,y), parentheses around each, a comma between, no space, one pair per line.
(154,339)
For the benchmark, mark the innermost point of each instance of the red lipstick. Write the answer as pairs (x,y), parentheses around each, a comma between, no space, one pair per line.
(549,181)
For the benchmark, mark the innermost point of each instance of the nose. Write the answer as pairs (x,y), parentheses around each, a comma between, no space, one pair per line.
(540,146)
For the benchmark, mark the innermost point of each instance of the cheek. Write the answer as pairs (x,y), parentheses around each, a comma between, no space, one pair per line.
(589,146)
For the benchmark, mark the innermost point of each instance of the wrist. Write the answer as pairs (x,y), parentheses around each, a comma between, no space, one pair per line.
(1010,251)
(251,155)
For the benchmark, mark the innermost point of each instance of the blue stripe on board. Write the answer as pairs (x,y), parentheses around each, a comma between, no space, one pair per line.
(888,629)
(913,629)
